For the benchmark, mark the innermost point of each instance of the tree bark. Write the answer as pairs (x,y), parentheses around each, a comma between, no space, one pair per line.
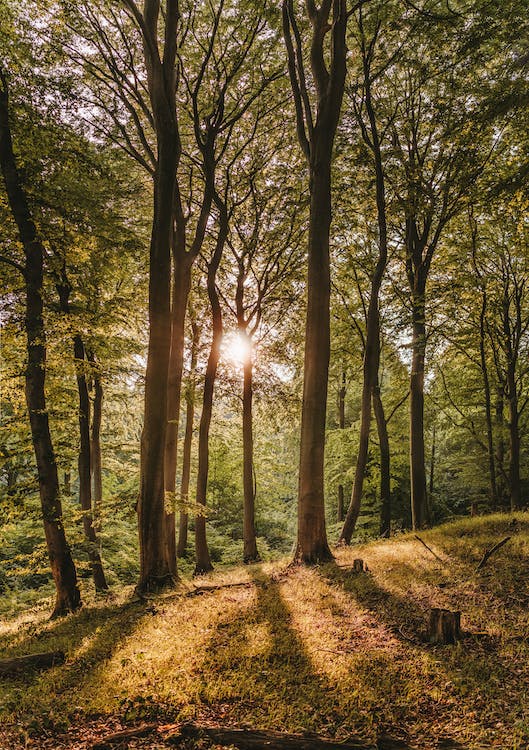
(64,574)
(95,442)
(203,560)
(316,139)
(156,570)
(385,458)
(85,452)
(312,545)
(181,287)
(419,507)
(341,425)
(85,479)
(372,339)
(181,550)
(250,553)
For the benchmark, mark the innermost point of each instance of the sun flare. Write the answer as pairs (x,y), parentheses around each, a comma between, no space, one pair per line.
(237,348)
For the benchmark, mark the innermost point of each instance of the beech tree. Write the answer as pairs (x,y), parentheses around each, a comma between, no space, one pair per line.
(316,127)
(68,598)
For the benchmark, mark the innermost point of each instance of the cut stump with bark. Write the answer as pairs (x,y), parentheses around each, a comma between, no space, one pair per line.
(31,661)
(444,626)
(359,566)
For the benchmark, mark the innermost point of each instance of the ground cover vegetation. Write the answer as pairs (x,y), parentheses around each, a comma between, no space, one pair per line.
(264,293)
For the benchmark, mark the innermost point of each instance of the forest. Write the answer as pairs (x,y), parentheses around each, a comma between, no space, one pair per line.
(264,467)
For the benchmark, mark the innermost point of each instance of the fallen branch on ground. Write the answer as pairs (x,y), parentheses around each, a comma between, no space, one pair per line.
(429,549)
(490,552)
(252,739)
(31,661)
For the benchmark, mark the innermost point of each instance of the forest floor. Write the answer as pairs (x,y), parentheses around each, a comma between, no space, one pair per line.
(319,649)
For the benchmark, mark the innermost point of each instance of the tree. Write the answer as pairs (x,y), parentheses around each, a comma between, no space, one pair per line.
(316,132)
(68,598)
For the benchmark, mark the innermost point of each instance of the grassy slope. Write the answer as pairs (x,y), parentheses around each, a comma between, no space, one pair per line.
(316,649)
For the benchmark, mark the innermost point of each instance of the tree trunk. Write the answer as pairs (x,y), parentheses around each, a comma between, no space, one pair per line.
(500,446)
(203,561)
(63,569)
(432,471)
(514,439)
(85,447)
(67,483)
(85,479)
(312,545)
(181,550)
(250,553)
(95,443)
(181,287)
(419,507)
(493,490)
(341,424)
(155,569)
(385,476)
(316,137)
(444,627)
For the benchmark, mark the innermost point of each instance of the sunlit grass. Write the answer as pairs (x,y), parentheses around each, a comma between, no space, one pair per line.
(319,649)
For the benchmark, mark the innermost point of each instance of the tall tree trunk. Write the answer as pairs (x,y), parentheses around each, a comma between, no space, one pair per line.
(493,490)
(203,560)
(85,479)
(181,287)
(156,570)
(372,339)
(316,137)
(385,476)
(63,570)
(95,442)
(250,553)
(341,425)
(419,506)
(312,545)
(181,549)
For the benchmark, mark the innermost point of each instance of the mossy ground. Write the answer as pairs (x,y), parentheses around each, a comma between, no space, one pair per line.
(301,649)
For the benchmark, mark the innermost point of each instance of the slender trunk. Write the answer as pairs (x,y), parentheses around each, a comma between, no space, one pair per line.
(514,440)
(62,566)
(372,340)
(500,446)
(85,448)
(312,545)
(432,471)
(249,536)
(385,482)
(493,490)
(419,507)
(371,365)
(181,549)
(341,425)
(203,560)
(95,443)
(85,485)
(67,483)
(181,287)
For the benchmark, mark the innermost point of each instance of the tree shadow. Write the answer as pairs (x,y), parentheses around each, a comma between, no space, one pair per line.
(258,672)
(89,638)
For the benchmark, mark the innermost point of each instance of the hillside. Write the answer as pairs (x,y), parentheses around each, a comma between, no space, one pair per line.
(322,650)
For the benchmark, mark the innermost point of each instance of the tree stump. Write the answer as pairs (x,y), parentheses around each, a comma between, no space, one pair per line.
(444,627)
(359,566)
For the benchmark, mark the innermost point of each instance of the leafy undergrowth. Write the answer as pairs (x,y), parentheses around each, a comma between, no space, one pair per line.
(317,649)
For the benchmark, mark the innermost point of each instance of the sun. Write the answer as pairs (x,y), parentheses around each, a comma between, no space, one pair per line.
(237,348)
